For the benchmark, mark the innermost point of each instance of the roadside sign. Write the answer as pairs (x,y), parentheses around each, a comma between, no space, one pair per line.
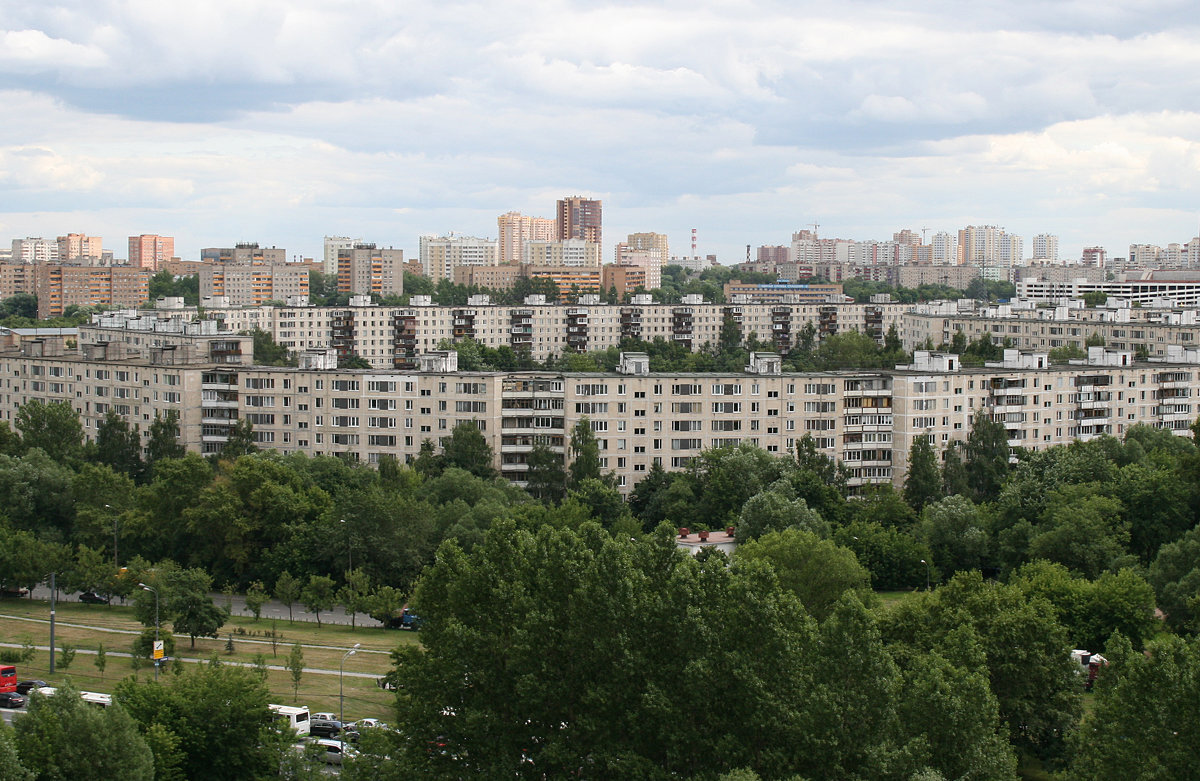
(158,649)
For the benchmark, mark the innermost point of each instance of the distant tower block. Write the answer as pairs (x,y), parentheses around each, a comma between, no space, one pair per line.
(693,242)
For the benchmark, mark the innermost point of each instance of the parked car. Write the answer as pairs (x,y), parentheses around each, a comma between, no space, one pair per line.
(324,728)
(92,598)
(10,591)
(12,700)
(334,751)
(326,716)
(362,724)
(24,687)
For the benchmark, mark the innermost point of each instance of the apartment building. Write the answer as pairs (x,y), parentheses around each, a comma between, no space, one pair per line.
(244,254)
(1144,288)
(333,245)
(579,218)
(34,250)
(514,229)
(79,246)
(366,270)
(17,278)
(150,250)
(253,284)
(1146,332)
(391,337)
(866,419)
(441,255)
(577,253)
(773,293)
(59,286)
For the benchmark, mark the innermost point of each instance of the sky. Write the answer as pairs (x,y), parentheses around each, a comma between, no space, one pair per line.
(283,121)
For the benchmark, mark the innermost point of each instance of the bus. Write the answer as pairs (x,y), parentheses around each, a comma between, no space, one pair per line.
(8,678)
(296,717)
(96,698)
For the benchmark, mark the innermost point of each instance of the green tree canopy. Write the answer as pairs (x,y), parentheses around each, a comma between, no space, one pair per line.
(62,738)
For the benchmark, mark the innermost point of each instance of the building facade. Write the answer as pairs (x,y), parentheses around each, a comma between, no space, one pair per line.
(868,420)
(580,218)
(366,270)
(514,229)
(441,255)
(150,251)
(59,286)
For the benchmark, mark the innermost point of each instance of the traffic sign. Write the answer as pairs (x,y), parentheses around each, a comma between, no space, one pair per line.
(158,649)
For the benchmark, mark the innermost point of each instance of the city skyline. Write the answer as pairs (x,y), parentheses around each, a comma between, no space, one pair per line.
(748,122)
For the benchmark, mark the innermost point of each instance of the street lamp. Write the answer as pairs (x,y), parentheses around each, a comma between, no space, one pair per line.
(116,520)
(341,696)
(349,548)
(926,563)
(52,590)
(152,652)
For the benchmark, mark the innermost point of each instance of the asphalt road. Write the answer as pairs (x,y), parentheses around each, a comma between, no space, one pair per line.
(237,604)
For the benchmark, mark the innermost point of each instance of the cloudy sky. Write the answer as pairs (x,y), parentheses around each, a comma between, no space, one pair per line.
(281,121)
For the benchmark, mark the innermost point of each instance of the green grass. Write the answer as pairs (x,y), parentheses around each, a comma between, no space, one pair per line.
(319,691)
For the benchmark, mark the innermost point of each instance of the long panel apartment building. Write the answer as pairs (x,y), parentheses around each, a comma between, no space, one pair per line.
(393,337)
(866,419)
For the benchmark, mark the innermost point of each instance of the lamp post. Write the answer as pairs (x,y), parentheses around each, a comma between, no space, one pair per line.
(52,590)
(349,549)
(152,652)
(926,563)
(116,520)
(341,697)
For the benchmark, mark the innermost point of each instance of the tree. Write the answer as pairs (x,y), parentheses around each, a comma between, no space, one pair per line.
(385,603)
(184,600)
(11,768)
(119,446)
(62,738)
(295,666)
(776,508)
(1175,575)
(817,571)
(163,441)
(1144,723)
(268,352)
(355,595)
(546,479)
(1083,530)
(1019,642)
(956,533)
(923,483)
(256,597)
(287,590)
(353,361)
(53,428)
(318,595)
(986,456)
(101,660)
(240,442)
(585,452)
(205,706)
(467,449)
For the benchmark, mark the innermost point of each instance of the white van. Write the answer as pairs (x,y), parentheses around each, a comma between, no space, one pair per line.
(296,717)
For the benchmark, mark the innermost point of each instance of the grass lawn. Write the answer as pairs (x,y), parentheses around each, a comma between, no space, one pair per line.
(318,691)
(888,598)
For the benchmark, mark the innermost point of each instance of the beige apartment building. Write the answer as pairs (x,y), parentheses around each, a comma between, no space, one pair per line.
(253,284)
(1146,331)
(390,337)
(576,253)
(866,419)
(441,255)
(366,270)
(514,229)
